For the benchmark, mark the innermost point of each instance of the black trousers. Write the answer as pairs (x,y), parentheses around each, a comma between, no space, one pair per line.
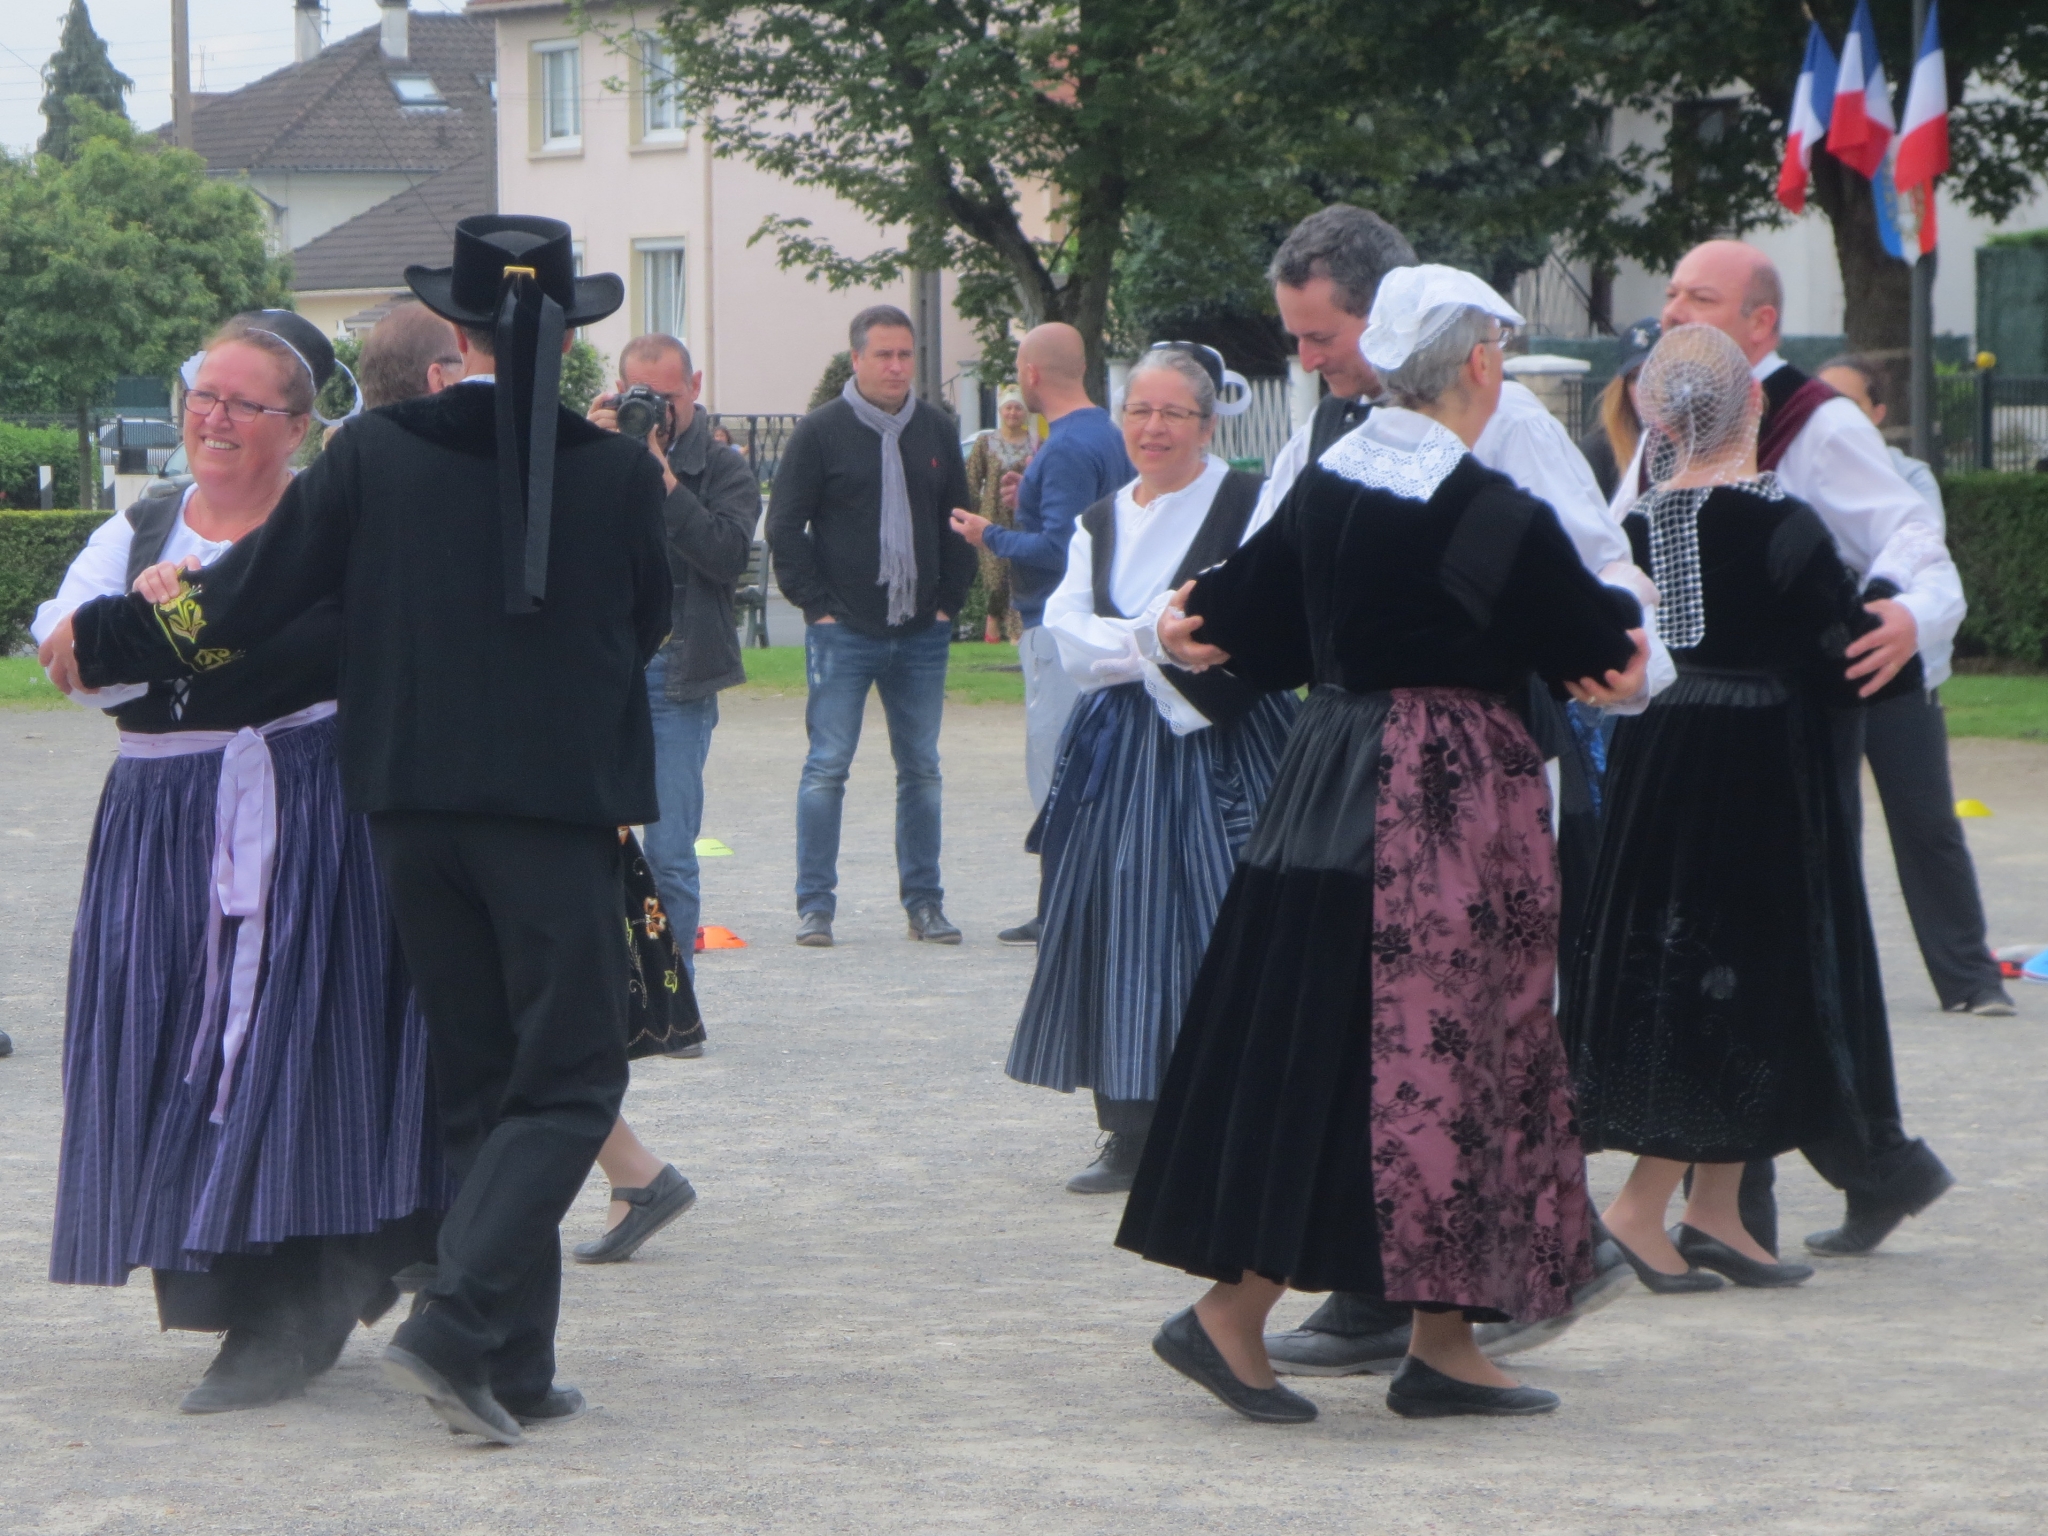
(514,931)
(1906,744)
(1125,1117)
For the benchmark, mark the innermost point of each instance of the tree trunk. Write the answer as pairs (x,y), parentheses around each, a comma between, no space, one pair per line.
(88,459)
(1877,289)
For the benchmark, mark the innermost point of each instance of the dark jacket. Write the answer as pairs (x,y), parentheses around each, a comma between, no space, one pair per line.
(447,702)
(824,518)
(711,516)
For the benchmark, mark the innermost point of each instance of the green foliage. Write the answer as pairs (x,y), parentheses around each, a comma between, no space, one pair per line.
(585,374)
(2026,239)
(21,450)
(335,395)
(23,686)
(832,382)
(36,548)
(120,260)
(79,68)
(1998,533)
(2012,706)
(975,673)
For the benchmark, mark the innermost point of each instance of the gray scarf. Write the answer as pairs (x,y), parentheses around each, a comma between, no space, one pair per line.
(899,544)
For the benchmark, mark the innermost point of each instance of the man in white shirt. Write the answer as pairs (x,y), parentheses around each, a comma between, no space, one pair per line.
(1827,453)
(1324,277)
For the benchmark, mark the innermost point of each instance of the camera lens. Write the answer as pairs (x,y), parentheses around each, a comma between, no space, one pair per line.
(639,411)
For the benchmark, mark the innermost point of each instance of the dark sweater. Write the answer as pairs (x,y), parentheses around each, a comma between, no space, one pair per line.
(710,516)
(824,518)
(447,702)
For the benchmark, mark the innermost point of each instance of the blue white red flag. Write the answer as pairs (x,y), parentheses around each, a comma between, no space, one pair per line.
(1813,99)
(1923,137)
(1862,125)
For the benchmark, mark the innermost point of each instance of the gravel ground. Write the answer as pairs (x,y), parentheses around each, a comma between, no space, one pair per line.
(885,1315)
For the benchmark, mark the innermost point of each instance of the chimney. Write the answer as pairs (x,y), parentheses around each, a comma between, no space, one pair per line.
(397,44)
(309,41)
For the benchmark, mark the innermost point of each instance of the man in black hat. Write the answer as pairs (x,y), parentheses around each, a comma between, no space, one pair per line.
(503,581)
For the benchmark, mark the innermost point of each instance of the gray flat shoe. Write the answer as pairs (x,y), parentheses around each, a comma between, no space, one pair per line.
(653,1208)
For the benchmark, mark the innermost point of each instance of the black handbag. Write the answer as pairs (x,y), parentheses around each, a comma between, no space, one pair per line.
(661,1008)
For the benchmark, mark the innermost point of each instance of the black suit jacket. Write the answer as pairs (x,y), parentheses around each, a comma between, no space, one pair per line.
(447,702)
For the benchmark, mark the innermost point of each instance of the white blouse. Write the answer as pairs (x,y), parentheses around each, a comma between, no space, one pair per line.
(101,570)
(1151,542)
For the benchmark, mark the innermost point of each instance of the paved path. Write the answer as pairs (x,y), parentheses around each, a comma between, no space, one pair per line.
(886,1316)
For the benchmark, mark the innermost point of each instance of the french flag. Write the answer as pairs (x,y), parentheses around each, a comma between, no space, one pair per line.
(1813,99)
(1923,139)
(1862,127)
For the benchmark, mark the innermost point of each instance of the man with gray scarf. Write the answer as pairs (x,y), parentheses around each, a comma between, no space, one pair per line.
(859,525)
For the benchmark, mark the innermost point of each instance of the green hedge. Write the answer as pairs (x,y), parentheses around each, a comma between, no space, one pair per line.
(35,550)
(22,449)
(1998,533)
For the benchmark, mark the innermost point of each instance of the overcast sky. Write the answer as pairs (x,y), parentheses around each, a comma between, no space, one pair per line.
(233,42)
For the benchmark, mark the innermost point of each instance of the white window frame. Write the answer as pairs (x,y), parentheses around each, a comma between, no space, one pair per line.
(545,55)
(658,90)
(644,271)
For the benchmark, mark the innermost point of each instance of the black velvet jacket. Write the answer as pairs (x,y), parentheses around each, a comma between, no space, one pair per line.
(1354,586)
(447,702)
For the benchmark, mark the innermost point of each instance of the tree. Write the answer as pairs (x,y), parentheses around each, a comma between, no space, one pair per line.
(934,117)
(79,67)
(120,261)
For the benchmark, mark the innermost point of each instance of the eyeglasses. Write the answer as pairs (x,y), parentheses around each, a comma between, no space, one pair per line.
(1506,335)
(1172,415)
(200,402)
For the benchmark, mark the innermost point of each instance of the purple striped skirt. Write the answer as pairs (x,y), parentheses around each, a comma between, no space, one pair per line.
(326,1128)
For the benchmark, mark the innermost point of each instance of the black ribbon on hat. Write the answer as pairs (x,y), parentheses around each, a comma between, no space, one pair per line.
(529,325)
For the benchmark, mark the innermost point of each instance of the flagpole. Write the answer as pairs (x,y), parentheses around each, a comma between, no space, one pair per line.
(1920,388)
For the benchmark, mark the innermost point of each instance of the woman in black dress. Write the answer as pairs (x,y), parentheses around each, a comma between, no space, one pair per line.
(1727,1002)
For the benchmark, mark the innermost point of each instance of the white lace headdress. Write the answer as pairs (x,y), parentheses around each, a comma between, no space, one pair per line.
(1699,407)
(1413,306)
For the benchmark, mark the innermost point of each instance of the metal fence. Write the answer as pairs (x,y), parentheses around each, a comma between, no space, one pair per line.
(1262,431)
(761,438)
(1990,420)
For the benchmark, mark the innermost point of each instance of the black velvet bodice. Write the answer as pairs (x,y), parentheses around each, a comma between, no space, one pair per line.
(1356,587)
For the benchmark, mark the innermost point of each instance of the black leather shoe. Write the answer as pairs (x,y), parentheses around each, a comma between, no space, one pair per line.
(467,1408)
(814,930)
(928,923)
(1424,1392)
(252,1370)
(1661,1284)
(1023,933)
(1309,1352)
(653,1207)
(1182,1344)
(560,1406)
(1869,1223)
(7,1042)
(1612,1274)
(1697,1248)
(1114,1169)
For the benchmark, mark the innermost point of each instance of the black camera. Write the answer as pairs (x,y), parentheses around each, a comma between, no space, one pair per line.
(640,410)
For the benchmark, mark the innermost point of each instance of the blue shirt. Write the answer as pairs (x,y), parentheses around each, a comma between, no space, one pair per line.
(1081,461)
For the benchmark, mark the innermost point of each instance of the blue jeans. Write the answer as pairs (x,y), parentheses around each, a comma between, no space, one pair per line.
(682,740)
(910,670)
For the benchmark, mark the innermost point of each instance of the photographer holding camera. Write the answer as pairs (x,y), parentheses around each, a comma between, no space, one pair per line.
(712,509)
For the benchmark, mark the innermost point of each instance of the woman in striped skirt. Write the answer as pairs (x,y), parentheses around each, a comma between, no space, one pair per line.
(1160,775)
(245,1074)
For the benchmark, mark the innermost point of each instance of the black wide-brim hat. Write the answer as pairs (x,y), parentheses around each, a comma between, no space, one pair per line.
(468,292)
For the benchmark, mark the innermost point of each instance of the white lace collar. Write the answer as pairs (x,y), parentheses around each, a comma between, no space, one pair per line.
(1396,450)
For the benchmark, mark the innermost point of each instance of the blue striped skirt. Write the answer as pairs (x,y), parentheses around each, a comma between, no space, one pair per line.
(327,1128)
(1139,835)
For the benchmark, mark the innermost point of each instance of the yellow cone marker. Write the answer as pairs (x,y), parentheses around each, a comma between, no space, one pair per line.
(712,848)
(1972,808)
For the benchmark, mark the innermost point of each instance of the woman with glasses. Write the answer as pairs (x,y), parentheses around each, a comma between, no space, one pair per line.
(244,1071)
(1369,1092)
(1160,774)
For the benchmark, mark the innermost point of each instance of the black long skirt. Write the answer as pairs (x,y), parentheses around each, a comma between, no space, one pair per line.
(1726,1002)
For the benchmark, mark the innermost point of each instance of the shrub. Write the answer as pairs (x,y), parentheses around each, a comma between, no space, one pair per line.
(22,449)
(832,382)
(35,550)
(1998,533)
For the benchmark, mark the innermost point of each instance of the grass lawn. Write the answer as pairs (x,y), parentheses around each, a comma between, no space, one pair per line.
(2012,705)
(23,686)
(976,674)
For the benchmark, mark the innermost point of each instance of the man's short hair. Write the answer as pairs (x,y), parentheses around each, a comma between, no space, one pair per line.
(652,347)
(1350,246)
(482,338)
(1764,287)
(1865,368)
(398,351)
(872,316)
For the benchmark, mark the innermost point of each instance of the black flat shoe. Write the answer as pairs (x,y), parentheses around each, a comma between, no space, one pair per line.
(467,1408)
(560,1406)
(1182,1344)
(252,1370)
(653,1207)
(1867,1224)
(1696,1247)
(1424,1392)
(1694,1279)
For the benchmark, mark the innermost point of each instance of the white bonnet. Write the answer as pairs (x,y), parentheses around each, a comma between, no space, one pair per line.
(1414,304)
